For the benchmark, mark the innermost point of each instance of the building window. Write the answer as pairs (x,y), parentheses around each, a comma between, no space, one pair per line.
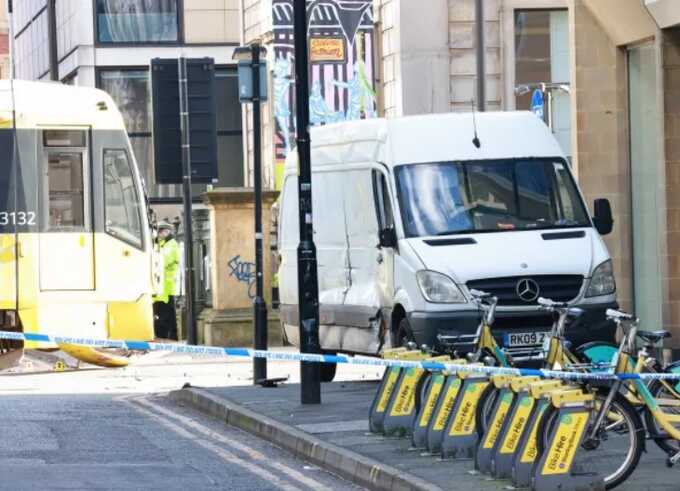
(542,64)
(130,89)
(137,21)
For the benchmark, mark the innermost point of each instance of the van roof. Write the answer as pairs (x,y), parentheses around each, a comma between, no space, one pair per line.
(52,103)
(431,138)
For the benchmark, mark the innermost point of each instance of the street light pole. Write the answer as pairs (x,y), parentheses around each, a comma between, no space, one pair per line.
(259,304)
(308,283)
(189,319)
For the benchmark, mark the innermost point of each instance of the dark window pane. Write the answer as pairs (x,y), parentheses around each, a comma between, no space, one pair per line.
(532,51)
(130,91)
(137,21)
(228,105)
(64,138)
(122,206)
(230,160)
(65,187)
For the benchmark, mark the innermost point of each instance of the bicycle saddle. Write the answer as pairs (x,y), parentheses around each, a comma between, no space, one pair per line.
(654,336)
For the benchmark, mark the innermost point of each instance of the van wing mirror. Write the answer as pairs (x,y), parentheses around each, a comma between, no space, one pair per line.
(388,237)
(603,220)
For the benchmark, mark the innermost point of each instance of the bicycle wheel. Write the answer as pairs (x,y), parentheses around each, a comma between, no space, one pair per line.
(484,408)
(616,451)
(661,392)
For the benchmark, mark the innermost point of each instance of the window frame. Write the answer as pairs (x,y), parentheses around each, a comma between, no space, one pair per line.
(508,32)
(87,176)
(141,245)
(178,42)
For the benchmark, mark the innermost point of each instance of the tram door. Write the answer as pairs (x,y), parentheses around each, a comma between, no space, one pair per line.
(66,241)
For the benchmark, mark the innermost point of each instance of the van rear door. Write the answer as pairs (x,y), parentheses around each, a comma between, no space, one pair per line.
(330,238)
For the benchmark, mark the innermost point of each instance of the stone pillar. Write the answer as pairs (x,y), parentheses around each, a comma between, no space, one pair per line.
(232,267)
(600,134)
(671,74)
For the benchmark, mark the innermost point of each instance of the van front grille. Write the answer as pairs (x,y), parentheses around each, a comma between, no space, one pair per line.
(560,288)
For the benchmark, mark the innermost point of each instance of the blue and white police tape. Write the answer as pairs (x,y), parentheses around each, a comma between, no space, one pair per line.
(322,358)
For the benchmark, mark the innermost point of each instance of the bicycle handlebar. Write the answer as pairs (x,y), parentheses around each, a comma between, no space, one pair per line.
(619,316)
(547,304)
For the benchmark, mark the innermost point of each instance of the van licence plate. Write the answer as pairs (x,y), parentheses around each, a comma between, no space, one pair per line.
(515,339)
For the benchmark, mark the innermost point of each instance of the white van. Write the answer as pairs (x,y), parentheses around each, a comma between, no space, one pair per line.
(410,214)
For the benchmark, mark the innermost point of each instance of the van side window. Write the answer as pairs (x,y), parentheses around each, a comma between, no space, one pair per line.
(382,201)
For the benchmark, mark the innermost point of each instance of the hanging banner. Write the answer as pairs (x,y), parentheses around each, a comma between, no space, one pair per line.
(342,67)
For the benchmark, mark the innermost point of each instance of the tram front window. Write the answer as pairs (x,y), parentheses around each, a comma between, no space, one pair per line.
(122,204)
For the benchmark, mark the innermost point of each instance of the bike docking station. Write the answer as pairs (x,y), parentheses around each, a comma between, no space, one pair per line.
(460,437)
(554,469)
(505,403)
(437,383)
(442,411)
(387,384)
(516,454)
(401,409)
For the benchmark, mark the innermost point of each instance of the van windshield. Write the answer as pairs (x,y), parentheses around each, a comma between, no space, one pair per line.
(448,198)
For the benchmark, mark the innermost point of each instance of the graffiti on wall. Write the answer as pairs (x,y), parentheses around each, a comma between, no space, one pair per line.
(342,81)
(243,272)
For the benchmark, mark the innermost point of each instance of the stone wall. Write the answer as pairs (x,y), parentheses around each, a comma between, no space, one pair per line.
(389,85)
(601,134)
(671,71)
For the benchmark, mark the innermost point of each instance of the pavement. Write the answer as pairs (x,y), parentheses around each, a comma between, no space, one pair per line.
(334,435)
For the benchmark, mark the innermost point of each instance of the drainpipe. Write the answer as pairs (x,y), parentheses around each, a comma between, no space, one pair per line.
(481,68)
(52,33)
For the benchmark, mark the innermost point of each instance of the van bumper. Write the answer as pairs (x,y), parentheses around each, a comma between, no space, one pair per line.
(591,326)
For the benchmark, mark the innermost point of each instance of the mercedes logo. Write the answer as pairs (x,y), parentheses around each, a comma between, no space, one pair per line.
(528,290)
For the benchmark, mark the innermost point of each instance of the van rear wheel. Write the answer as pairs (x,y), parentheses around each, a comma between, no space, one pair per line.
(327,370)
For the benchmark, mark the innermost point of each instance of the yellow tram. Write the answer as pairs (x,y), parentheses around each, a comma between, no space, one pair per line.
(76,252)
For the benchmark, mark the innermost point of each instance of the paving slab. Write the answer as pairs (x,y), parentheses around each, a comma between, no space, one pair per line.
(335,435)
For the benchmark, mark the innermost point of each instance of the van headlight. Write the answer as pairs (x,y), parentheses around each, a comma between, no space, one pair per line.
(602,282)
(439,288)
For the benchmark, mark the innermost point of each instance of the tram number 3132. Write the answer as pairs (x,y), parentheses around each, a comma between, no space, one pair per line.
(17,218)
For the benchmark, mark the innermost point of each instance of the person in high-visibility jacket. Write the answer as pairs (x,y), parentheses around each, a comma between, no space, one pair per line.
(165,325)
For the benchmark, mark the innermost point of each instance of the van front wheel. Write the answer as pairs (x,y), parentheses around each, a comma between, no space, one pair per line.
(404,334)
